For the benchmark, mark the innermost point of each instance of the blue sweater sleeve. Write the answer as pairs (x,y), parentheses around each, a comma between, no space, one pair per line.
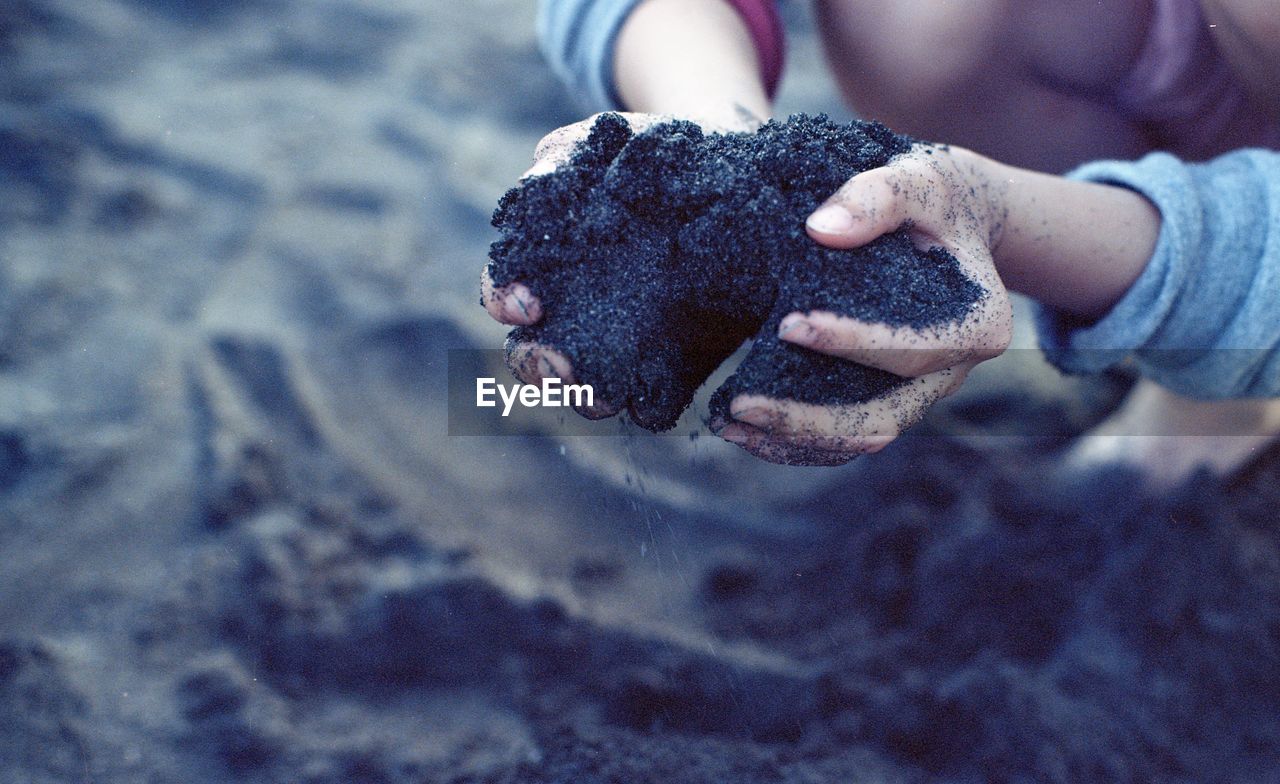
(1203,318)
(577,38)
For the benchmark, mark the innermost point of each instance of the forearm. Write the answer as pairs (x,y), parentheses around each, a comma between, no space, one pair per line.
(692,58)
(1074,246)
(1200,318)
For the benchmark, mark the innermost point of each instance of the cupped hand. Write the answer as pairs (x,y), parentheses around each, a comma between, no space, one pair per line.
(515,304)
(947,197)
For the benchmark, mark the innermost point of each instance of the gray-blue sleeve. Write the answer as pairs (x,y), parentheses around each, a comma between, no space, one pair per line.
(577,38)
(1203,318)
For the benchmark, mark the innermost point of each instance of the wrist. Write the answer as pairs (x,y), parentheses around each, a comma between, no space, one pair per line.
(986,182)
(1075,246)
(692,59)
(711,110)
(1004,181)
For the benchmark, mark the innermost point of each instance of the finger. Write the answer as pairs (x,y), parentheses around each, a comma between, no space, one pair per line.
(512,304)
(859,429)
(863,428)
(908,403)
(759,444)
(985,332)
(556,148)
(532,362)
(867,206)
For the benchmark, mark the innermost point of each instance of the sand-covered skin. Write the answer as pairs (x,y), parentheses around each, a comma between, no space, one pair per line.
(656,255)
(237,242)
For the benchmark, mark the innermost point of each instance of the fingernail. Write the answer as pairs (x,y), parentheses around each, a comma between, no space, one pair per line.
(798,327)
(734,434)
(831,219)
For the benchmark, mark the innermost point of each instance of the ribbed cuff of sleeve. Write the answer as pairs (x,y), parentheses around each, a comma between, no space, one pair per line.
(1201,318)
(1079,348)
(765,26)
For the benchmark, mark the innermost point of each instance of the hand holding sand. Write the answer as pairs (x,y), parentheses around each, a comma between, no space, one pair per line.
(653,256)
(515,304)
(946,197)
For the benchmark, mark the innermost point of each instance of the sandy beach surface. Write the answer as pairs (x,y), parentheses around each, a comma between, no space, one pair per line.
(237,242)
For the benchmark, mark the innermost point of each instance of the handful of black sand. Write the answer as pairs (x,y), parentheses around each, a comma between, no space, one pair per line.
(655,255)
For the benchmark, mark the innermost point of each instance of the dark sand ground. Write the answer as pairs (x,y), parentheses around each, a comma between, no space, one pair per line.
(236,240)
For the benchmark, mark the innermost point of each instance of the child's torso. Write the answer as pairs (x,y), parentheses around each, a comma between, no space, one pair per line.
(1046,82)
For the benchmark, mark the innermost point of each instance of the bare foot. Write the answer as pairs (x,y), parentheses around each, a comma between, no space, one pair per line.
(1170,437)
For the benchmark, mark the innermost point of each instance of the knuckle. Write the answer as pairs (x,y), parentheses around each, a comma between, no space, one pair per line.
(870,183)
(885,183)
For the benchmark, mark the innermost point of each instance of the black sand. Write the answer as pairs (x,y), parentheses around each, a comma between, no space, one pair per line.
(656,255)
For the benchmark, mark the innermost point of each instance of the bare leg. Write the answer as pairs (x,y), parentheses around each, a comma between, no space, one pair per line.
(1170,437)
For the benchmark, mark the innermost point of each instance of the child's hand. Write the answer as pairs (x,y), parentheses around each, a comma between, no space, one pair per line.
(515,304)
(949,197)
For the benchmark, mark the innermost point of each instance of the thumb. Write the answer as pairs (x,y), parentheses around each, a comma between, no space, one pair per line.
(867,206)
